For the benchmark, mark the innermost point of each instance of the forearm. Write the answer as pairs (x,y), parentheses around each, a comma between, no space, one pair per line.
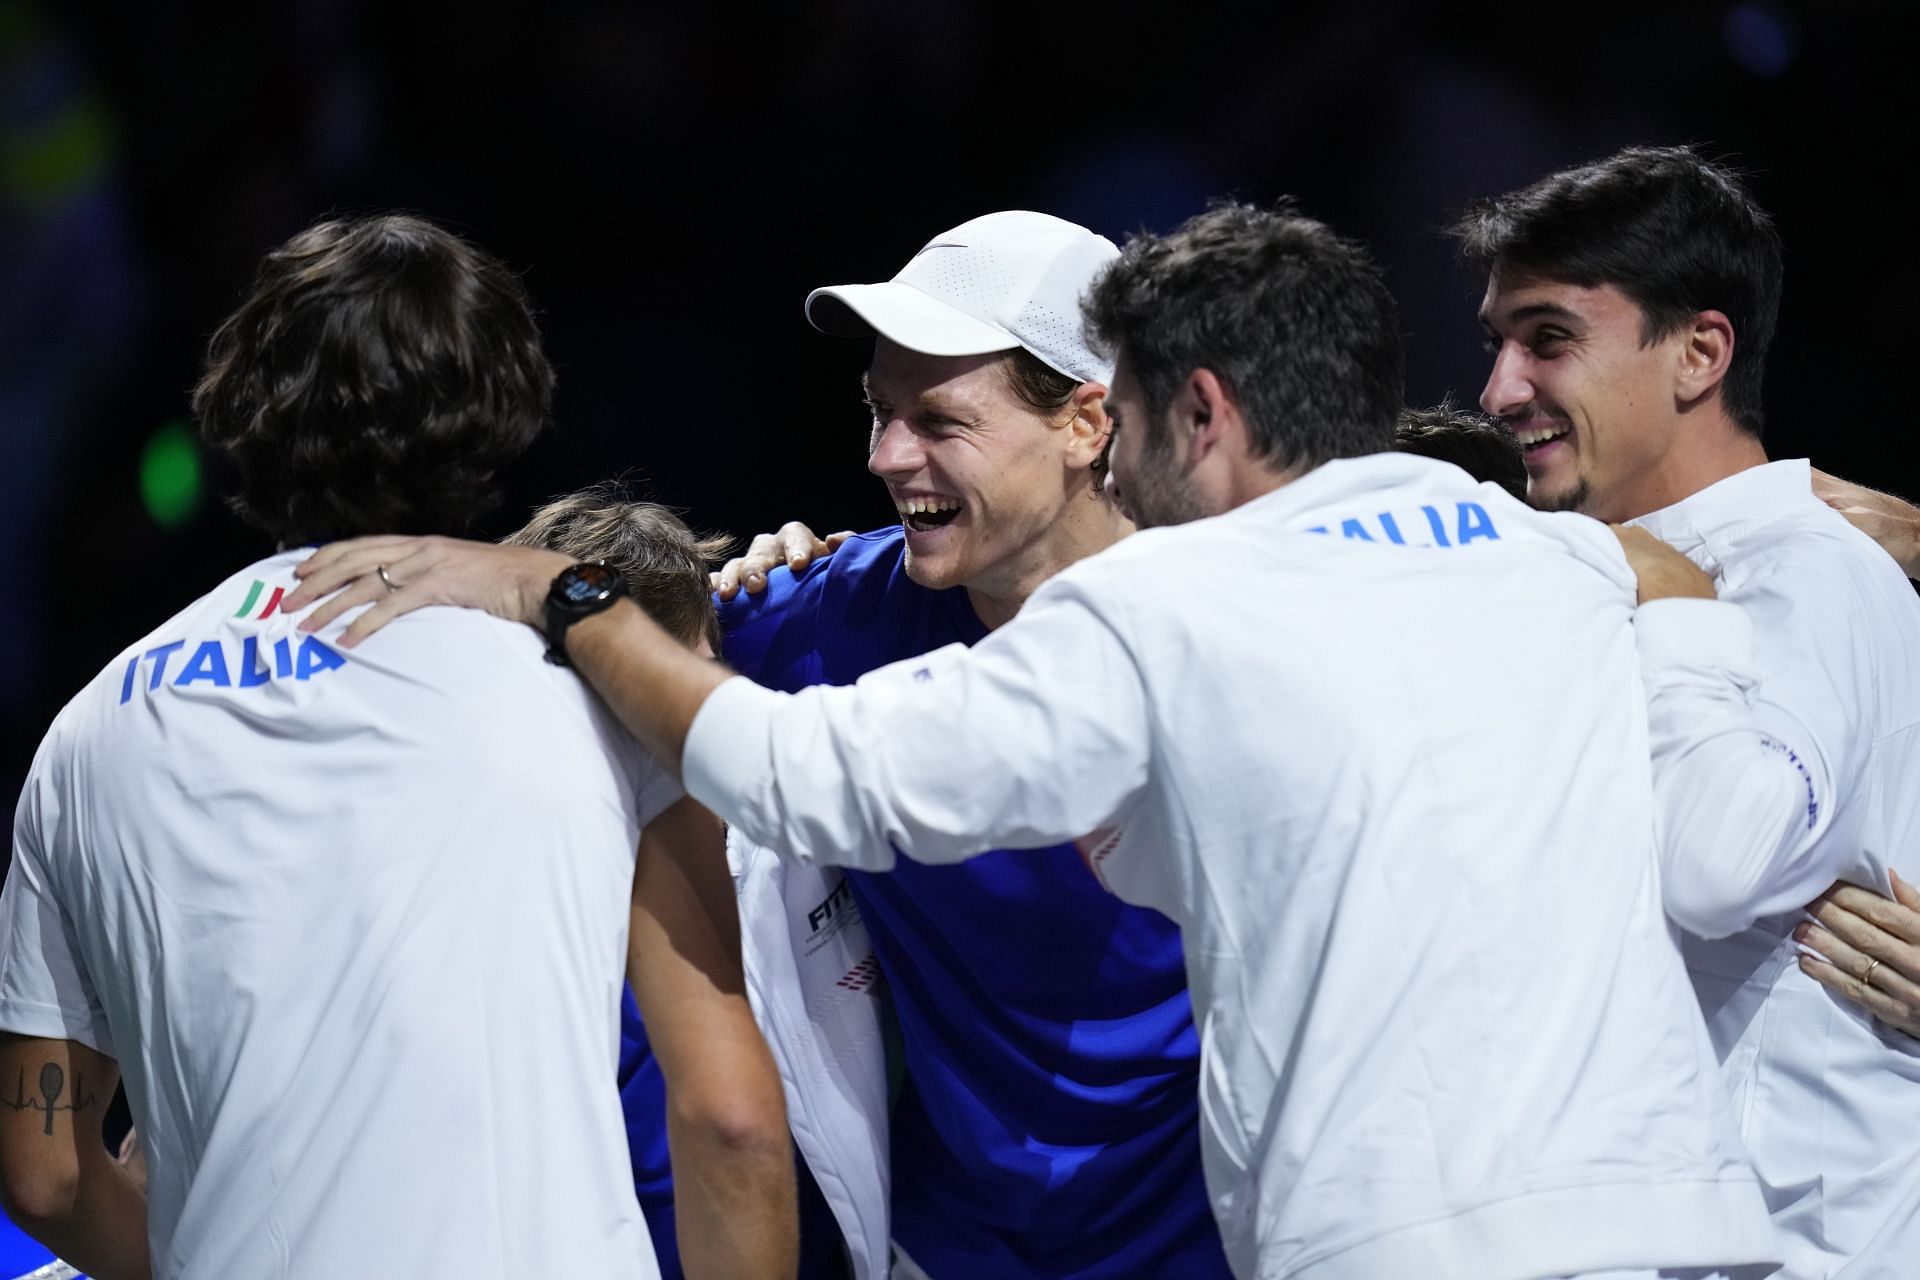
(1892,522)
(651,681)
(726,1117)
(1903,542)
(734,1201)
(1036,736)
(1895,525)
(56,1178)
(105,1233)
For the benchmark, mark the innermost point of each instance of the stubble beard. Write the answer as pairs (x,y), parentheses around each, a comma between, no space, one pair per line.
(1573,498)
(1162,494)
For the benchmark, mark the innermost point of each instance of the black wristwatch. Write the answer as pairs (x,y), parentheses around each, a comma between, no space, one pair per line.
(580,591)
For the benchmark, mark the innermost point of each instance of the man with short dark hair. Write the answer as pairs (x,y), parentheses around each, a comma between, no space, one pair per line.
(1444,1027)
(1629,304)
(1665,259)
(353,925)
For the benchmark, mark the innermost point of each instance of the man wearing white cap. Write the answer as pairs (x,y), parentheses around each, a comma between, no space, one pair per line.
(1047,1125)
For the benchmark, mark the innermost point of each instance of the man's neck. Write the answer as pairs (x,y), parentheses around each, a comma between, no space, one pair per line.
(1714,450)
(1255,479)
(1091,524)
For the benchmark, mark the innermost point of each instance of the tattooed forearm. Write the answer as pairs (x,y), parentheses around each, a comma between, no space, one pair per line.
(53,1086)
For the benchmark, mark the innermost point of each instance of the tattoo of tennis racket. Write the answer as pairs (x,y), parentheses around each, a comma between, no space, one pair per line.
(53,1083)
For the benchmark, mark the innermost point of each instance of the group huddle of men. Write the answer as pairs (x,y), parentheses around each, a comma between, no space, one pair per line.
(1374,866)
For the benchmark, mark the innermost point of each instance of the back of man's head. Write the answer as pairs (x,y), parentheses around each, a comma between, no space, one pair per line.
(1295,320)
(377,376)
(664,562)
(1479,446)
(1674,232)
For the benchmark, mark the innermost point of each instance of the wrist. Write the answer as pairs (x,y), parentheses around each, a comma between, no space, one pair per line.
(1677,587)
(578,594)
(530,596)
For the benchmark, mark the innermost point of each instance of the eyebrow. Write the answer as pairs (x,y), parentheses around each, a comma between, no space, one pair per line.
(1534,311)
(931,404)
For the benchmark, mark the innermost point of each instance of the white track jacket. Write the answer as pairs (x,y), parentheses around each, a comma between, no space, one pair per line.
(1828,1101)
(811,976)
(1377,741)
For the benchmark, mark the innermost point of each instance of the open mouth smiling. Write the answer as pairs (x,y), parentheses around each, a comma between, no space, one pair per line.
(921,514)
(1537,434)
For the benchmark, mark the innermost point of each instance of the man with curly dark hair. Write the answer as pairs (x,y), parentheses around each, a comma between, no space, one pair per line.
(378,376)
(353,925)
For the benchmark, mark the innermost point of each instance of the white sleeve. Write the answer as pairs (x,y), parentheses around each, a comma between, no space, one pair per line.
(657,790)
(44,989)
(1739,782)
(1036,736)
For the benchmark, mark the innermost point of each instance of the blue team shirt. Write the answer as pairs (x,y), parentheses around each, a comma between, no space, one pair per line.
(1048,1126)
(643,1102)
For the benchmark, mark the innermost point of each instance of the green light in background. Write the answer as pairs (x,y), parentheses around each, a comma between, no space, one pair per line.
(170,475)
(61,158)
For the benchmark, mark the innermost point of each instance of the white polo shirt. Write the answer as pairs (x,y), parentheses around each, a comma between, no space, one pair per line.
(1377,742)
(1827,1099)
(354,925)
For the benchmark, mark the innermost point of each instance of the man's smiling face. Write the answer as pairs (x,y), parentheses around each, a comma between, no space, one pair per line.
(978,477)
(1588,399)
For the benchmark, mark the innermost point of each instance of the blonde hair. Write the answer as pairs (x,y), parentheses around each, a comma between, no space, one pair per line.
(664,562)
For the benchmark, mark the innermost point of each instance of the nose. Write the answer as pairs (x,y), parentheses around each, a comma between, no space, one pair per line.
(894,451)
(1507,391)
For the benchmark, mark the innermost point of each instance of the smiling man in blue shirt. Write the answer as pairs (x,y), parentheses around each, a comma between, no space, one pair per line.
(1047,1124)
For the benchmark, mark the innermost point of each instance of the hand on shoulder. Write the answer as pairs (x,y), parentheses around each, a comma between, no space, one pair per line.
(1663,573)
(794,545)
(397,575)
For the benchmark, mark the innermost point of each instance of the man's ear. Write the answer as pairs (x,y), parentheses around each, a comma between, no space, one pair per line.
(1089,426)
(1205,411)
(1706,350)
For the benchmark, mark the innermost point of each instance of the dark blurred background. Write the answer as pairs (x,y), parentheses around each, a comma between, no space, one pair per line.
(673,179)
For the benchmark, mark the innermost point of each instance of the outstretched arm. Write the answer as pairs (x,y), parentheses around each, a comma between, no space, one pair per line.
(733,1171)
(1038,735)
(1892,522)
(651,681)
(56,1177)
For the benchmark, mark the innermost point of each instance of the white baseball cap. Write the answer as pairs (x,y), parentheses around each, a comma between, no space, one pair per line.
(1006,280)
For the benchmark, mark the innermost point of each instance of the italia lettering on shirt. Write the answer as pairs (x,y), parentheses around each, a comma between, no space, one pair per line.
(1425,526)
(227,666)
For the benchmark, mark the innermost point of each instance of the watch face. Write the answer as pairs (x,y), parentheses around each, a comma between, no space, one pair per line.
(586,582)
